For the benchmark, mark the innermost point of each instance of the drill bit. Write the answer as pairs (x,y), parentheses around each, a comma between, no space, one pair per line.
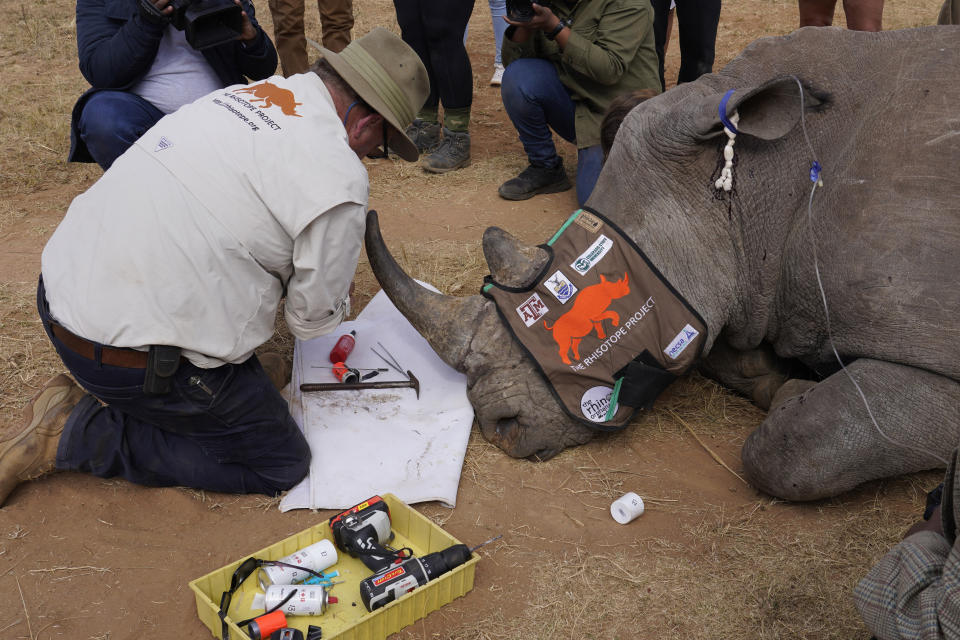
(483,544)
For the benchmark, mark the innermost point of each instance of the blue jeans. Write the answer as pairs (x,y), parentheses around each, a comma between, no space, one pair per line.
(224,429)
(498,9)
(111,121)
(537,102)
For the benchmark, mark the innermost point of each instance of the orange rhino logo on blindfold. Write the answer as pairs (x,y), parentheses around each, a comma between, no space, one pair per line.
(588,312)
(271,95)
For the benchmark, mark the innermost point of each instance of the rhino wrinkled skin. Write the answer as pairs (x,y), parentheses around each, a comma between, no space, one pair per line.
(881,114)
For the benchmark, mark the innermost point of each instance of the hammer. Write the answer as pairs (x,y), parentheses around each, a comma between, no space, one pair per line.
(411,382)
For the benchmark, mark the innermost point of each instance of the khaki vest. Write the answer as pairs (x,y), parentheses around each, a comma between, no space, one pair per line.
(606,329)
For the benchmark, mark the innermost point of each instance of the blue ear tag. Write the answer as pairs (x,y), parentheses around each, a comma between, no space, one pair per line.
(722,109)
(815,171)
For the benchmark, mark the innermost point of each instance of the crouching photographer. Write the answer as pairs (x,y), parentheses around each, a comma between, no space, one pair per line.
(145,59)
(565,63)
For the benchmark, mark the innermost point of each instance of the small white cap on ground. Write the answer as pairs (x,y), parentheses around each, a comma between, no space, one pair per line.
(627,507)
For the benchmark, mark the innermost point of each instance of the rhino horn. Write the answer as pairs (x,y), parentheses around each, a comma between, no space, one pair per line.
(446,322)
(511,262)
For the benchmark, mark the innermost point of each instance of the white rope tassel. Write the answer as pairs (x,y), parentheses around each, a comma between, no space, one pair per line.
(725,181)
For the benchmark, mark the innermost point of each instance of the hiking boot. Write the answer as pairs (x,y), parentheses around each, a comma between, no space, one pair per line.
(453,153)
(277,368)
(32,451)
(497,79)
(426,135)
(534,180)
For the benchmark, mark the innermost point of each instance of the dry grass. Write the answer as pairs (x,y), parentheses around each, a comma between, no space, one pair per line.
(26,358)
(762,570)
(748,578)
(38,41)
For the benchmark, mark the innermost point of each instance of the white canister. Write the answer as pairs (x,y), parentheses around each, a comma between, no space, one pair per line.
(626,507)
(311,600)
(316,557)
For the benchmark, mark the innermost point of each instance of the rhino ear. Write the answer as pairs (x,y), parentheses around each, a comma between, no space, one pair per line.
(768,112)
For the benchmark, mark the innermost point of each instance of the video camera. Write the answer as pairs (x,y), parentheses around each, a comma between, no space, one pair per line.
(205,23)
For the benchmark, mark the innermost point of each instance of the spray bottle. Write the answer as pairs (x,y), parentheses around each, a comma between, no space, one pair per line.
(343,347)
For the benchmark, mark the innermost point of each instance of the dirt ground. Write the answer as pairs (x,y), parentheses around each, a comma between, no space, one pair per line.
(88,558)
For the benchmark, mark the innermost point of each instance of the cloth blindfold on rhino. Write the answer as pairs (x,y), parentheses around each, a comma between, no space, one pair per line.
(607,331)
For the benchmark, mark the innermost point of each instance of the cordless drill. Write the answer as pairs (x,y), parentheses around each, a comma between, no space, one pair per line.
(363,530)
(397,579)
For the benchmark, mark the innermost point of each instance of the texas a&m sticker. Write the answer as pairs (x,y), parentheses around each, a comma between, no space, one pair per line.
(532,310)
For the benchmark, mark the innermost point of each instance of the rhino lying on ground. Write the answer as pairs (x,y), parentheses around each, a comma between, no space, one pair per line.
(882,118)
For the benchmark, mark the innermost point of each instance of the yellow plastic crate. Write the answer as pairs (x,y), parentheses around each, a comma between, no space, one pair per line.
(344,620)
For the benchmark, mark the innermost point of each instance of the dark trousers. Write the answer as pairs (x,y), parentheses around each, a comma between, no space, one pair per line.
(111,121)
(434,29)
(697,24)
(223,429)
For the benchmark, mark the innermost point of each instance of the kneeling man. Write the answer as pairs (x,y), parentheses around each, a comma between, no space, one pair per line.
(166,275)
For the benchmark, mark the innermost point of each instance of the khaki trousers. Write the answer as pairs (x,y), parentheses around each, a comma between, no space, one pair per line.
(336,20)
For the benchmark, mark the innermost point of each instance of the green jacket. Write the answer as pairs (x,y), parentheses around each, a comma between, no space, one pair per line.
(610,52)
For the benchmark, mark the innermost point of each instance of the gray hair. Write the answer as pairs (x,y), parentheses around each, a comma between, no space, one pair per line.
(334,80)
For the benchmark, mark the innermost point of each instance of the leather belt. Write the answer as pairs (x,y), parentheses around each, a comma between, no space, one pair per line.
(113,356)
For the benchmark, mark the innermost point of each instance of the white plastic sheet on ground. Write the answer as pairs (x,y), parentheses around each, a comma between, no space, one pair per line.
(377,441)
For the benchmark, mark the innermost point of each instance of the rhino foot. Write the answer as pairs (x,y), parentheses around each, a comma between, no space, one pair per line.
(822,442)
(789,389)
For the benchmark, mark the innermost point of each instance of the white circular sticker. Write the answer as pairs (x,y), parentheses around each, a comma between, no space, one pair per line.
(595,402)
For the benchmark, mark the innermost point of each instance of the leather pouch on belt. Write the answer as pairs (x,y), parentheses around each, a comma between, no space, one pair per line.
(162,363)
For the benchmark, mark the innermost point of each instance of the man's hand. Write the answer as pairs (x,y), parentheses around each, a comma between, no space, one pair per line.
(156,11)
(934,524)
(247,32)
(543,19)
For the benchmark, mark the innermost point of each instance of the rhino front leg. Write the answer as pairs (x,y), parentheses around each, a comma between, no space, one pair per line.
(757,374)
(822,442)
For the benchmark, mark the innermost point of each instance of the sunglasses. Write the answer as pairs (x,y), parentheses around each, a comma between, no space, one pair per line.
(378,153)
(244,571)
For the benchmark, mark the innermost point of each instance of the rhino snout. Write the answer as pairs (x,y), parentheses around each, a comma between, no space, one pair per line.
(536,440)
(515,408)
(509,433)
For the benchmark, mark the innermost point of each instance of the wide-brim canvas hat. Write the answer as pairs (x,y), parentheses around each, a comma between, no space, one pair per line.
(389,76)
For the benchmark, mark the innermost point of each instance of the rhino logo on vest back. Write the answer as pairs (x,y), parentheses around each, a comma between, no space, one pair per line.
(270,95)
(588,312)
